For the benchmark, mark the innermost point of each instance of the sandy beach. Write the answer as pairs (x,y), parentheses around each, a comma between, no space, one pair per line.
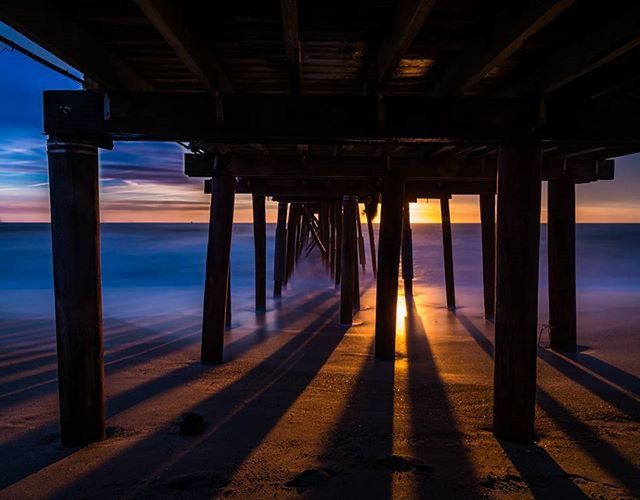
(300,393)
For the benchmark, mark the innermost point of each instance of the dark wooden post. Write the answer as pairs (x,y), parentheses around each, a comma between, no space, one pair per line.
(518,239)
(227,316)
(338,259)
(75,231)
(217,277)
(280,250)
(372,244)
(349,260)
(359,250)
(561,242)
(407,251)
(292,234)
(447,244)
(388,263)
(488,221)
(260,255)
(361,253)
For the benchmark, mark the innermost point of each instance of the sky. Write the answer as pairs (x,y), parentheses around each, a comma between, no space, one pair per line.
(143,182)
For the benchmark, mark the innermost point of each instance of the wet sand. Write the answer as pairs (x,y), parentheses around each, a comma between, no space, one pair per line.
(298,392)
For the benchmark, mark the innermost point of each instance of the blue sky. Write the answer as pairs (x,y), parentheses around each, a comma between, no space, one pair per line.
(144,181)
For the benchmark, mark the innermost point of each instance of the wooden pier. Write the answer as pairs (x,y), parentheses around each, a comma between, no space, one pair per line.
(321,107)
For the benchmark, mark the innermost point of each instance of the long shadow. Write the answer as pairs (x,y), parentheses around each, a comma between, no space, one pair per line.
(582,434)
(42,437)
(435,434)
(362,435)
(626,380)
(240,415)
(621,400)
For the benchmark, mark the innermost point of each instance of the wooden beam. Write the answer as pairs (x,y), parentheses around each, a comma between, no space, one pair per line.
(75,231)
(260,254)
(44,22)
(168,18)
(349,264)
(292,42)
(513,26)
(407,251)
(610,39)
(280,251)
(561,243)
(488,227)
(447,245)
(409,18)
(388,266)
(217,271)
(518,239)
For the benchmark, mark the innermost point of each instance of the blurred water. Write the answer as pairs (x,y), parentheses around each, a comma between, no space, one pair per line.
(173,255)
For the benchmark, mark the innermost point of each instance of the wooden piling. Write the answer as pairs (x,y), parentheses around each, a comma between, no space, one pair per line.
(349,260)
(217,277)
(338,257)
(260,254)
(75,232)
(372,245)
(561,243)
(488,222)
(518,239)
(280,250)
(361,253)
(407,251)
(388,263)
(292,234)
(447,245)
(227,316)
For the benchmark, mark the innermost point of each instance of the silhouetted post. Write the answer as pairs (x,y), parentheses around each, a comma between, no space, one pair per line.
(388,263)
(217,277)
(372,244)
(260,255)
(447,245)
(561,242)
(349,260)
(75,235)
(291,241)
(407,251)
(488,221)
(363,258)
(518,238)
(339,217)
(279,254)
(227,320)
(356,269)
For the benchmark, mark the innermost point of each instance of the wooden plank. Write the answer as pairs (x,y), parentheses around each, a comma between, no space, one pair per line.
(168,18)
(388,266)
(217,272)
(44,23)
(280,251)
(447,245)
(488,227)
(292,41)
(260,253)
(372,244)
(513,26)
(609,40)
(75,228)
(561,243)
(349,264)
(407,251)
(409,18)
(518,239)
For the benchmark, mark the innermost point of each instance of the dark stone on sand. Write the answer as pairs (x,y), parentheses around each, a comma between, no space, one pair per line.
(192,424)
(309,477)
(398,463)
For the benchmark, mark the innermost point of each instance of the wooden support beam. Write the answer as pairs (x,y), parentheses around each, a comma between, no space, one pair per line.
(372,245)
(45,23)
(407,251)
(349,260)
(409,18)
(292,232)
(361,252)
(338,247)
(280,251)
(447,245)
(512,27)
(388,263)
(75,232)
(195,53)
(518,239)
(610,39)
(488,227)
(292,41)
(260,254)
(217,272)
(561,242)
(227,316)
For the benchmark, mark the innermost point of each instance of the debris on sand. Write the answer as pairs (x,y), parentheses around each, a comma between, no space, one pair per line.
(508,482)
(192,424)
(398,463)
(309,477)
